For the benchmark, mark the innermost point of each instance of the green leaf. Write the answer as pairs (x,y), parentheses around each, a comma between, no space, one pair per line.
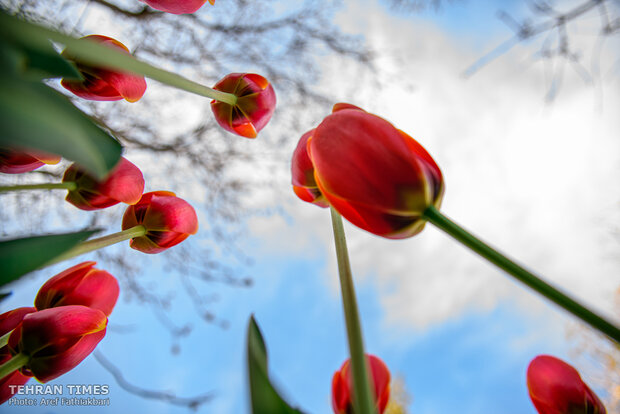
(34,115)
(5,295)
(36,63)
(21,256)
(264,398)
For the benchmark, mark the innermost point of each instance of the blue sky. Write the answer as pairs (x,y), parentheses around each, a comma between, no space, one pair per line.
(458,332)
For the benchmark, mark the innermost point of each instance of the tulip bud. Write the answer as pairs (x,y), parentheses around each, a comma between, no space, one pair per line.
(177,6)
(124,183)
(56,340)
(168,220)
(81,284)
(557,388)
(100,84)
(8,322)
(342,386)
(304,184)
(256,101)
(17,162)
(373,174)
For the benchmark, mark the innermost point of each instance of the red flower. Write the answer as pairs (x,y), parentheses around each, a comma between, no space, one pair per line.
(8,322)
(557,388)
(100,84)
(177,6)
(168,220)
(125,183)
(342,386)
(373,174)
(256,101)
(56,340)
(81,284)
(304,184)
(17,162)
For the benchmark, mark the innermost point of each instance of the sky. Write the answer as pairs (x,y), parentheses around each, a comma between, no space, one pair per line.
(535,178)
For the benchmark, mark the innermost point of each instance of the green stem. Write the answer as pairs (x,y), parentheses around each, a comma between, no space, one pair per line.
(95,244)
(69,185)
(4,339)
(13,364)
(363,398)
(95,54)
(571,305)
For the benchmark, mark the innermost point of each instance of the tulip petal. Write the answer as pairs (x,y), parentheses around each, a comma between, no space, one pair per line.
(177,6)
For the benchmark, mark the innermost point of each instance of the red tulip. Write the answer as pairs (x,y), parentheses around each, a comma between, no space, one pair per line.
(177,6)
(56,340)
(168,220)
(8,322)
(304,184)
(21,161)
(373,174)
(100,84)
(256,101)
(81,284)
(342,386)
(124,183)
(557,388)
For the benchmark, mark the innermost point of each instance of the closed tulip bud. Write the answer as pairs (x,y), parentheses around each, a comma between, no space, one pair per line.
(101,84)
(373,174)
(124,183)
(8,322)
(167,218)
(304,184)
(21,161)
(56,340)
(256,101)
(177,6)
(81,284)
(342,386)
(557,388)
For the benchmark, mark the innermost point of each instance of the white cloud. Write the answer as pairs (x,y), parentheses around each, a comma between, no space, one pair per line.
(536,180)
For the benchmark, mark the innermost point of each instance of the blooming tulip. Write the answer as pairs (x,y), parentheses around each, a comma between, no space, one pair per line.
(100,84)
(20,161)
(81,284)
(124,183)
(8,322)
(373,174)
(177,6)
(56,340)
(557,388)
(256,101)
(342,386)
(168,221)
(304,184)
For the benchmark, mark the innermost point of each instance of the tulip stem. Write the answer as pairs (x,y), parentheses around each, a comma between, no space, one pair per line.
(98,243)
(4,339)
(13,364)
(95,54)
(362,395)
(69,185)
(563,300)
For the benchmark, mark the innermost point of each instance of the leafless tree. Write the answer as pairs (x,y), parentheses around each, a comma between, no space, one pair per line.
(173,138)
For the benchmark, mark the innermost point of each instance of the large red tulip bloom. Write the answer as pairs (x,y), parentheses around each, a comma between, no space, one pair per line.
(256,102)
(373,174)
(101,84)
(21,161)
(8,322)
(168,220)
(81,284)
(342,386)
(124,183)
(304,184)
(555,387)
(177,6)
(56,340)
